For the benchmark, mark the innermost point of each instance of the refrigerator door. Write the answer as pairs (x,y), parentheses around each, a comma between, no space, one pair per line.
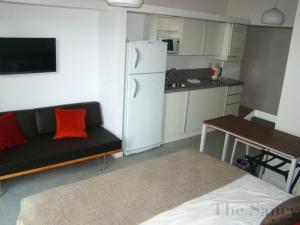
(146,57)
(144,112)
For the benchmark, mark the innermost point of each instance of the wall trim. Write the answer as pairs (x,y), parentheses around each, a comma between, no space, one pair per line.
(79,4)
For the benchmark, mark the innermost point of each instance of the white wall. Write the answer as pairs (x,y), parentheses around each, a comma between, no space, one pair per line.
(263,67)
(112,66)
(77,40)
(135,26)
(254,9)
(289,107)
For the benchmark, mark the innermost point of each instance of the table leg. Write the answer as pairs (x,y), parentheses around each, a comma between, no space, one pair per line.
(1,188)
(203,138)
(289,182)
(247,149)
(225,147)
(233,151)
(262,169)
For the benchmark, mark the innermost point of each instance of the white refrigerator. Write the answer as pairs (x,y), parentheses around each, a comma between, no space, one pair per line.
(144,96)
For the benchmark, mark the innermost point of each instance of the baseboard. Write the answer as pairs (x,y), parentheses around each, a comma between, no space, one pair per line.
(180,136)
(184,135)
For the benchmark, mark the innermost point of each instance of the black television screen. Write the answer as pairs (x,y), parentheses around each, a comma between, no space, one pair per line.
(27,55)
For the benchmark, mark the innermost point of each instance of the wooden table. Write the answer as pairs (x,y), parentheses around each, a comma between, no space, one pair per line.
(258,135)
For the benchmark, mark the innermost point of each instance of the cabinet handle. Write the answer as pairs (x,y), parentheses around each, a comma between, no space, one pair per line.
(137,58)
(136,85)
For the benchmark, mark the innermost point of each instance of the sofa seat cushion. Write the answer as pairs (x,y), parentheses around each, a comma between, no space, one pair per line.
(44,150)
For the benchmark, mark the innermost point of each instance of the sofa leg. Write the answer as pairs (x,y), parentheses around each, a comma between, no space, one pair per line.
(103,164)
(1,188)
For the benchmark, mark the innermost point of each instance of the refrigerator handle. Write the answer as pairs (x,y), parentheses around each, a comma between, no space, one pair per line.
(137,58)
(136,85)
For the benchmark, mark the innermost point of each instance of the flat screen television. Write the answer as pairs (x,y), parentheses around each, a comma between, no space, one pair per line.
(27,55)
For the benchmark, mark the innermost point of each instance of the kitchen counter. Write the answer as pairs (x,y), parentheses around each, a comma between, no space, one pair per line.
(205,84)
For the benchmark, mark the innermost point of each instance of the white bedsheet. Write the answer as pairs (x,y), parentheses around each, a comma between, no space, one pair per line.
(245,201)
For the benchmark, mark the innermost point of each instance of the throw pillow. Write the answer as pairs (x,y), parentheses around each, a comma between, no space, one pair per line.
(70,123)
(10,133)
(287,213)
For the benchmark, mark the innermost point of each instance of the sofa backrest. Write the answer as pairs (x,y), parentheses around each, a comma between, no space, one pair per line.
(26,122)
(42,121)
(46,122)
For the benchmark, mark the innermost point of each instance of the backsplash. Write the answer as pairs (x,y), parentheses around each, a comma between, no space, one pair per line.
(230,69)
(189,62)
(177,75)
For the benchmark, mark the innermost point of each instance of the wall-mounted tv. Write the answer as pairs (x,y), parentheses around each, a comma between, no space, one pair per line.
(27,55)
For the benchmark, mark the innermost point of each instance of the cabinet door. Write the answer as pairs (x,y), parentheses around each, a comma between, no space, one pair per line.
(232,109)
(237,42)
(171,24)
(214,40)
(193,37)
(204,104)
(175,112)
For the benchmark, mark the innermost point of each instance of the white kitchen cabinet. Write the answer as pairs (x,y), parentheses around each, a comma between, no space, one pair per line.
(214,38)
(192,37)
(218,40)
(204,104)
(234,41)
(238,35)
(175,113)
(233,100)
(233,90)
(169,24)
(162,27)
(232,109)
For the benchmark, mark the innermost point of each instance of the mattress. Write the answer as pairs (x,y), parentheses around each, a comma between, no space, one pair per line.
(130,195)
(245,201)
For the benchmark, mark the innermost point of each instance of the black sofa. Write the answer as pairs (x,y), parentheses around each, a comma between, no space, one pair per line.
(42,152)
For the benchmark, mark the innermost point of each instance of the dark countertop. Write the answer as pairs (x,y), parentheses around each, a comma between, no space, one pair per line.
(205,84)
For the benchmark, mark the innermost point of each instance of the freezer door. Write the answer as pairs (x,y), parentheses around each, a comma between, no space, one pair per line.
(146,57)
(143,111)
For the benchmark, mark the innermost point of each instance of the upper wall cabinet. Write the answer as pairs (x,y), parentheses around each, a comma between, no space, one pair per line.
(224,41)
(192,38)
(160,27)
(234,41)
(214,38)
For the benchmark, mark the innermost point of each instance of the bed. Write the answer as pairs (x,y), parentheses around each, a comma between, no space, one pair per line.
(150,191)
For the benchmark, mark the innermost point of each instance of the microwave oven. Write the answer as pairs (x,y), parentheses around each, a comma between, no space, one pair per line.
(173,45)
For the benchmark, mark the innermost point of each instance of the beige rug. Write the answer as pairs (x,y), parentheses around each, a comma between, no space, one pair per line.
(131,195)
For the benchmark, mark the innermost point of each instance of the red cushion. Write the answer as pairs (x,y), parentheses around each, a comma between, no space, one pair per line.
(10,133)
(298,223)
(70,123)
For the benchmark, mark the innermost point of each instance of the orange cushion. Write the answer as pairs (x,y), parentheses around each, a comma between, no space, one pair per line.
(70,123)
(10,133)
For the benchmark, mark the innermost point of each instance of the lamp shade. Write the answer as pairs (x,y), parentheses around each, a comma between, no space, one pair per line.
(126,3)
(273,16)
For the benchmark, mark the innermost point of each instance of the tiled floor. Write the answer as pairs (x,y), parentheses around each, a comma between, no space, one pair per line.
(20,187)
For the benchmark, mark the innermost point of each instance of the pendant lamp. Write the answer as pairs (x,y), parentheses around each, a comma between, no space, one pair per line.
(126,3)
(273,16)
